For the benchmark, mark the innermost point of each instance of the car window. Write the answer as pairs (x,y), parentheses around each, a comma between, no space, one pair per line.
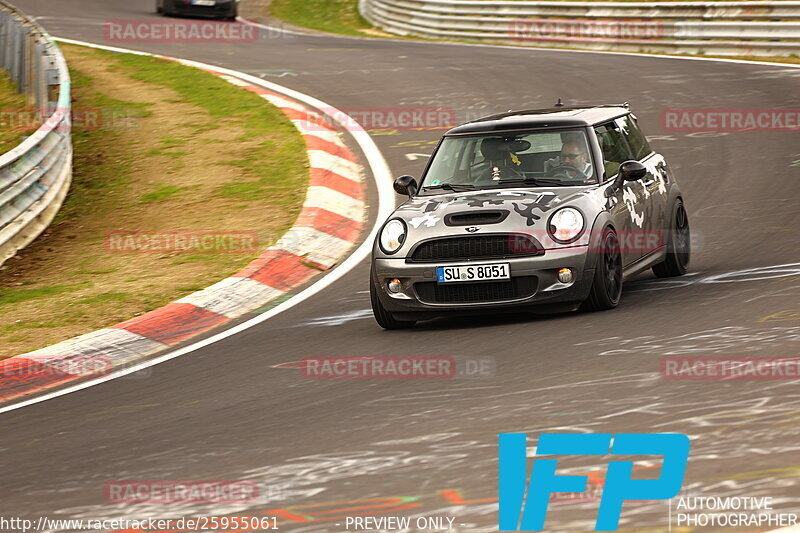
(634,136)
(615,148)
(492,160)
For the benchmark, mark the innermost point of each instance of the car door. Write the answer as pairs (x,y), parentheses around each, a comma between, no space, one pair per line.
(628,211)
(653,186)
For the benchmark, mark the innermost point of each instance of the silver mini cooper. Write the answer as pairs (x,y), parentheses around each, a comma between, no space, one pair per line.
(543,210)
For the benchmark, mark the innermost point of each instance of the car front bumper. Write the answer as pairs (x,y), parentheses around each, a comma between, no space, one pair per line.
(534,285)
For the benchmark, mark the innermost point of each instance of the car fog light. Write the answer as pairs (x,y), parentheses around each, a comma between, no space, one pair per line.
(565,275)
(395,286)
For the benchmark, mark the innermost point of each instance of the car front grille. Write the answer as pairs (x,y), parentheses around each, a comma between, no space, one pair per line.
(496,246)
(472,217)
(467,293)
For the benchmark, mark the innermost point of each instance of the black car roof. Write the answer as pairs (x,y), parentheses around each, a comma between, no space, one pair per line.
(552,117)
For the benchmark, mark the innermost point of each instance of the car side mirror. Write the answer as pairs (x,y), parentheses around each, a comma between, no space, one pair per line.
(405,185)
(632,171)
(628,171)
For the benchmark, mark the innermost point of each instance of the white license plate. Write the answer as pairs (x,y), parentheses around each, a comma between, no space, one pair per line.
(204,2)
(491,271)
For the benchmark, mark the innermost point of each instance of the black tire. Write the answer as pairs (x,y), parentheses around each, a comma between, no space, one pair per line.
(607,283)
(159,10)
(679,246)
(383,317)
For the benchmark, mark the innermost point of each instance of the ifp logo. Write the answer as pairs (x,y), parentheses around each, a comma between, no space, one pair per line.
(525,510)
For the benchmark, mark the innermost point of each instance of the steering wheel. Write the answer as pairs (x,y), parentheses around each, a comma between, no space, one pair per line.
(566,171)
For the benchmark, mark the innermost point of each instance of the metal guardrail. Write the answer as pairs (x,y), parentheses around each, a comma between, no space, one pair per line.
(762,28)
(34,176)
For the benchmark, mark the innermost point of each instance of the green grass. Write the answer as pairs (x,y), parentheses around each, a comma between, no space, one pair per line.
(159,152)
(334,16)
(36,324)
(95,272)
(278,156)
(106,297)
(172,142)
(104,159)
(272,166)
(198,258)
(311,265)
(12,296)
(16,118)
(164,192)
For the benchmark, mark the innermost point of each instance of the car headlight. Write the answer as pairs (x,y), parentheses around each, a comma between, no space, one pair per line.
(392,236)
(566,225)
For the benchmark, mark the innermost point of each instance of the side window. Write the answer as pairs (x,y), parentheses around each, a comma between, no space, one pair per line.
(635,137)
(615,149)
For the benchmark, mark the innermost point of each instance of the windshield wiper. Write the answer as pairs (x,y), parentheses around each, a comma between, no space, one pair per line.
(451,187)
(541,181)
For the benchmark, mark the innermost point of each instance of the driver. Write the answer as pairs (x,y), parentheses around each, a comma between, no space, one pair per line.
(573,154)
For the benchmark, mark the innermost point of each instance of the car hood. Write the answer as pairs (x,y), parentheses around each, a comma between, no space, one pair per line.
(525,206)
(522,210)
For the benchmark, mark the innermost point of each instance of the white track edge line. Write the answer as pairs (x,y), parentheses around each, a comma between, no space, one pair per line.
(382,178)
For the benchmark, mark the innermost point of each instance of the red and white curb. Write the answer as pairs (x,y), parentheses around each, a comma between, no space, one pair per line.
(328,226)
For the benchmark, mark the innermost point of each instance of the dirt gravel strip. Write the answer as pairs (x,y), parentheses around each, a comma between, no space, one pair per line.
(331,220)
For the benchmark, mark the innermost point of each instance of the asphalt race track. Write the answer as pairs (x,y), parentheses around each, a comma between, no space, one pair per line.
(430,447)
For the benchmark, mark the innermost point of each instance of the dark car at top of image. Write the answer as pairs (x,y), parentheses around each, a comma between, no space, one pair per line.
(545,210)
(222,9)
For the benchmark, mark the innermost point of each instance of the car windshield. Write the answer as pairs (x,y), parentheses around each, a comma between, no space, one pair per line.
(494,160)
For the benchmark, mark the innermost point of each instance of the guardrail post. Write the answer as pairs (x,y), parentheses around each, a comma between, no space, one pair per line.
(6,51)
(4,21)
(15,52)
(51,82)
(41,83)
(28,64)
